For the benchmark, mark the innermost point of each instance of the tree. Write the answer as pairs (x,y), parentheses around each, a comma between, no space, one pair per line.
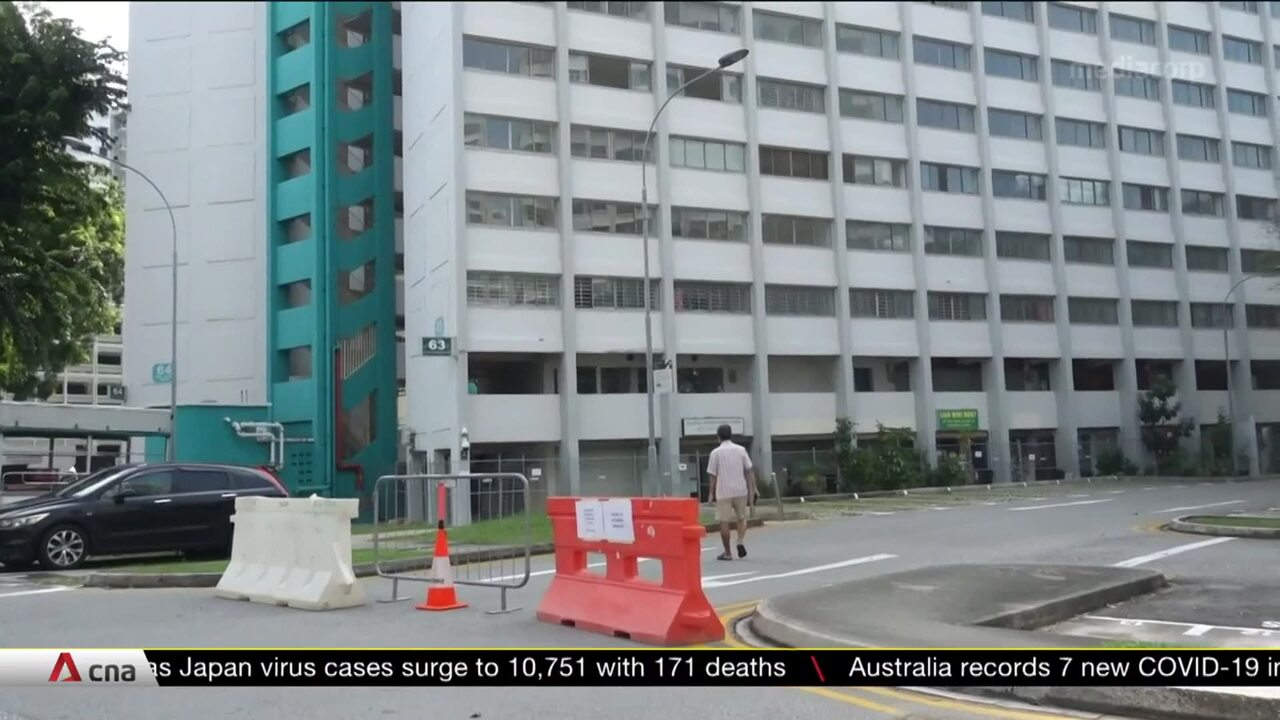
(61,225)
(1158,412)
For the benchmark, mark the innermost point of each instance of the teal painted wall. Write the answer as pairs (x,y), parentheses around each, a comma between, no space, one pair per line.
(333,343)
(204,435)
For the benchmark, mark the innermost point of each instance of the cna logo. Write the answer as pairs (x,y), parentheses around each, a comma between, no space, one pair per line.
(67,663)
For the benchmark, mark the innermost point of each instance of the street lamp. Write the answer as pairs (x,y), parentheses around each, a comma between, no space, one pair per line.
(1226,359)
(724,62)
(173,317)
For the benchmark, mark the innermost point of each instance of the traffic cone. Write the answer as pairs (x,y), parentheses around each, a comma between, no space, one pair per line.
(441,595)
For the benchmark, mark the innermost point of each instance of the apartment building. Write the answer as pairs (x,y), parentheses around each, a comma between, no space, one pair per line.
(993,223)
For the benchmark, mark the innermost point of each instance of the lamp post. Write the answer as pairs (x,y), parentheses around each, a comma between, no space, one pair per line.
(1226,359)
(724,62)
(173,310)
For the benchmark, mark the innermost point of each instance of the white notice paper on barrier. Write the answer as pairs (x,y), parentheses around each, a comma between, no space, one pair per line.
(618,524)
(590,519)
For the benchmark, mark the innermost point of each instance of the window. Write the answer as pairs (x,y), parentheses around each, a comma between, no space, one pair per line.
(785,162)
(608,71)
(1266,373)
(957,306)
(1238,50)
(1133,30)
(956,375)
(722,86)
(889,237)
(1095,376)
(1150,254)
(870,106)
(1026,308)
(1188,40)
(950,116)
(201,481)
(713,297)
(1201,149)
(1007,123)
(1201,202)
(1251,156)
(1075,75)
(607,216)
(608,143)
(1155,313)
(1002,63)
(794,230)
(595,293)
(513,211)
(1265,317)
(1193,94)
(865,41)
(500,133)
(159,482)
(941,53)
(1090,250)
(882,304)
(699,154)
(948,178)
(1092,311)
(1203,258)
(1246,103)
(1012,10)
(1211,315)
(952,241)
(507,58)
(1141,142)
(1145,197)
(250,480)
(1137,85)
(1254,208)
(1075,19)
(799,300)
(1022,246)
(1249,7)
(296,36)
(862,170)
(702,16)
(791,96)
(1081,133)
(788,29)
(1026,375)
(638,10)
(1081,191)
(700,224)
(1009,184)
(495,289)
(944,4)
(1259,261)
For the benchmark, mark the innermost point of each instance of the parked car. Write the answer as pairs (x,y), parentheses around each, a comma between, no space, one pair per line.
(131,509)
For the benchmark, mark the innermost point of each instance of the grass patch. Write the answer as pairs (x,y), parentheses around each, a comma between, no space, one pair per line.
(505,531)
(358,557)
(1265,523)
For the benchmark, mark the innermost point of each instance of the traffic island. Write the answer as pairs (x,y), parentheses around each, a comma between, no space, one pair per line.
(1258,527)
(993,606)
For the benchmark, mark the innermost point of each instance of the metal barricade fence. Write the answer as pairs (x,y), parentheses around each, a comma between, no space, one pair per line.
(488,517)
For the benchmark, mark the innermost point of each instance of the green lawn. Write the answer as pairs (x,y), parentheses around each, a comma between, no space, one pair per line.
(1266,523)
(358,557)
(506,531)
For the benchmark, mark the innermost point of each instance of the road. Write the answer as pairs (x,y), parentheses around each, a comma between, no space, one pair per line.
(1080,524)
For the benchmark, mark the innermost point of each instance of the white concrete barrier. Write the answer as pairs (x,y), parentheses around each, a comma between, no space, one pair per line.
(294,552)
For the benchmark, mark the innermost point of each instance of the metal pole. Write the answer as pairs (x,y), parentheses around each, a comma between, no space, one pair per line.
(173,316)
(652,448)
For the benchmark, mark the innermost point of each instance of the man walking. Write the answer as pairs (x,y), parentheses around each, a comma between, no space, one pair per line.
(733,488)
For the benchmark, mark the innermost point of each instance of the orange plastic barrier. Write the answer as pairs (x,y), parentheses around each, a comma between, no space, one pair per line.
(619,602)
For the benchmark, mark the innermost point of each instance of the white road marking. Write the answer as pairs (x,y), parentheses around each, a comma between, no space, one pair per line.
(1198,630)
(873,512)
(1193,629)
(991,503)
(1116,492)
(41,591)
(549,571)
(727,575)
(802,571)
(1143,559)
(940,509)
(1081,495)
(1058,505)
(1197,507)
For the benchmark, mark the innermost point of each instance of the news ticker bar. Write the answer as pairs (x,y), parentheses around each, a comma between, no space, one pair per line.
(639,667)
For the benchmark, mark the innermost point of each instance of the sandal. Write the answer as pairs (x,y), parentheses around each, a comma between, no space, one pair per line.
(724,556)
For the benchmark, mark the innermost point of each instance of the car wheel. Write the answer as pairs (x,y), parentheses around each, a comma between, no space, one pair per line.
(64,548)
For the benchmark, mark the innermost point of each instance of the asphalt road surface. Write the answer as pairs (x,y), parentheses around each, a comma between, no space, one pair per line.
(1102,525)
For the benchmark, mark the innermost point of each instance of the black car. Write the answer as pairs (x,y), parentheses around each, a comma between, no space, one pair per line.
(130,509)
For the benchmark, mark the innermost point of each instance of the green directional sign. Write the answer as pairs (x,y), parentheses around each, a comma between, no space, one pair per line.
(966,419)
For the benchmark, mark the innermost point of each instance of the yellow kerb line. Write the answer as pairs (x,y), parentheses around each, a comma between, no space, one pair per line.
(853,700)
(962,706)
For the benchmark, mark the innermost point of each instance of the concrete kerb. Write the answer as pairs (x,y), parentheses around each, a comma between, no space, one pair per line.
(1171,703)
(151,581)
(1184,525)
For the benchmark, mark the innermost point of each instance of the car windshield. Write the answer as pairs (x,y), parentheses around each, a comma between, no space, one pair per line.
(91,482)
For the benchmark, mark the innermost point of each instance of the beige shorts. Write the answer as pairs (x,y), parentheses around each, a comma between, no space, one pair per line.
(728,509)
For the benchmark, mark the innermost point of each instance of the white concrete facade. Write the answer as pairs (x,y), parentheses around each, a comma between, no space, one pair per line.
(797,342)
